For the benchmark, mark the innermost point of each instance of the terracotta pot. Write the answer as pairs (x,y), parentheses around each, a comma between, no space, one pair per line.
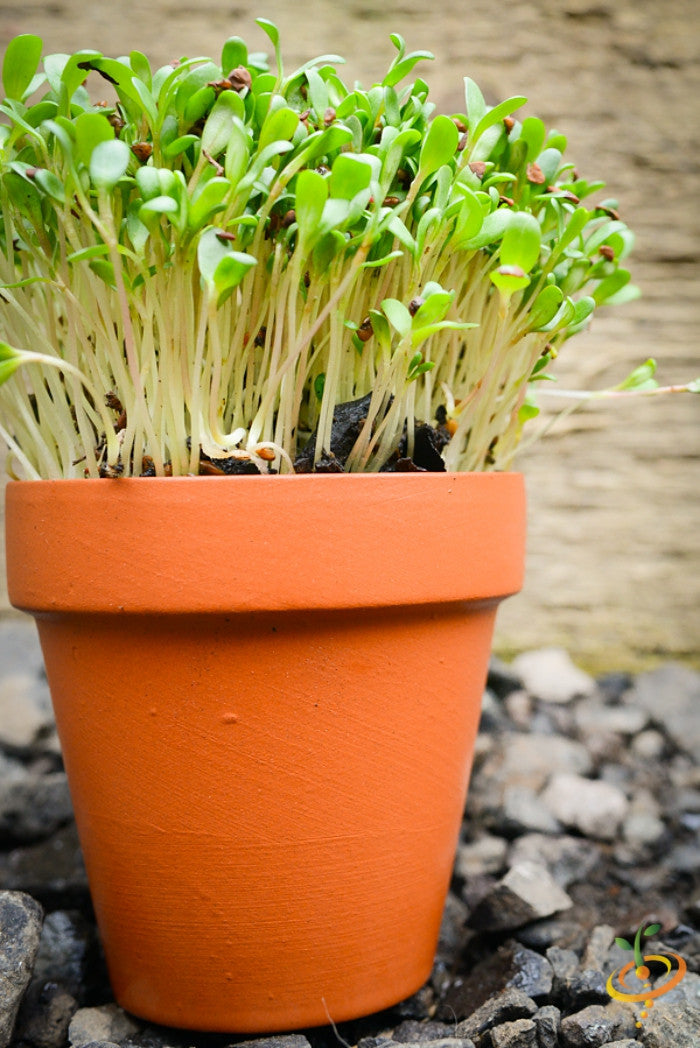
(267,692)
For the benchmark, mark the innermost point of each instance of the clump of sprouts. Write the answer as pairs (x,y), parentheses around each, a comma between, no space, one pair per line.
(196,272)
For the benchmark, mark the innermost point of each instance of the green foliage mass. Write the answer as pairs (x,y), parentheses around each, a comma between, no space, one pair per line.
(211,256)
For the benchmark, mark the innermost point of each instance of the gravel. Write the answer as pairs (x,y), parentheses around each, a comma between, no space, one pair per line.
(582,822)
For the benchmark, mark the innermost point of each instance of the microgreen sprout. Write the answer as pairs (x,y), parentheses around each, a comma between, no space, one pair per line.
(202,264)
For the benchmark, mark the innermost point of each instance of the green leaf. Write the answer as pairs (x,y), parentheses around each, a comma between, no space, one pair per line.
(521,241)
(545,307)
(233,55)
(279,125)
(433,309)
(527,411)
(509,279)
(652,929)
(90,130)
(398,315)
(219,126)
(439,147)
(623,944)
(50,184)
(640,379)
(207,201)
(20,64)
(402,68)
(10,361)
(311,196)
(476,105)
(108,163)
(229,273)
(349,176)
(532,133)
(141,67)
(496,115)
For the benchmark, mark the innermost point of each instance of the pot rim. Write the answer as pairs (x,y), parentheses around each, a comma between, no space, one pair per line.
(305,540)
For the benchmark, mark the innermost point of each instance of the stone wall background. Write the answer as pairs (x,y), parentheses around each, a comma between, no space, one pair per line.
(614,507)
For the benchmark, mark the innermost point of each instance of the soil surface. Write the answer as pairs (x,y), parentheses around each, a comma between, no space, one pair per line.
(614,510)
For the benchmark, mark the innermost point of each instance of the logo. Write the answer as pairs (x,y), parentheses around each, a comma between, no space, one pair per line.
(639,989)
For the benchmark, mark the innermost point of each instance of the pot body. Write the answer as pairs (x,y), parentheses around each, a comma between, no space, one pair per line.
(267,692)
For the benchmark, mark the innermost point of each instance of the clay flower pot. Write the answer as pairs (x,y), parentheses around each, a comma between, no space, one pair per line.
(267,692)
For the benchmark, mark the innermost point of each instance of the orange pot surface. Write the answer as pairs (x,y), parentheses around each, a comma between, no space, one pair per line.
(269,784)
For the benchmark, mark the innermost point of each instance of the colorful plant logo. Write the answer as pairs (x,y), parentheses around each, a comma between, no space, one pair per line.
(673,963)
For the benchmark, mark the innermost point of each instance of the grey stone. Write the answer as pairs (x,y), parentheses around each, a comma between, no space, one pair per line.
(643,828)
(594,808)
(671,697)
(649,745)
(25,715)
(20,929)
(487,854)
(501,678)
(520,759)
(45,1015)
(547,1020)
(524,812)
(108,1022)
(675,1017)
(439,1042)
(519,707)
(506,1006)
(568,859)
(550,675)
(597,950)
(564,965)
(527,892)
(512,966)
(33,806)
(593,1026)
(411,1031)
(67,950)
(520,1033)
(593,717)
(586,986)
(566,932)
(52,871)
(290,1040)
(20,651)
(454,918)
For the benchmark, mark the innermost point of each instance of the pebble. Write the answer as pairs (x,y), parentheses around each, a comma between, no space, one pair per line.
(505,1007)
(107,1022)
(33,806)
(548,674)
(528,891)
(547,1020)
(671,697)
(411,1031)
(25,713)
(675,1018)
(45,1015)
(67,952)
(520,1033)
(593,807)
(512,966)
(529,760)
(20,929)
(525,812)
(567,858)
(597,1024)
(486,854)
